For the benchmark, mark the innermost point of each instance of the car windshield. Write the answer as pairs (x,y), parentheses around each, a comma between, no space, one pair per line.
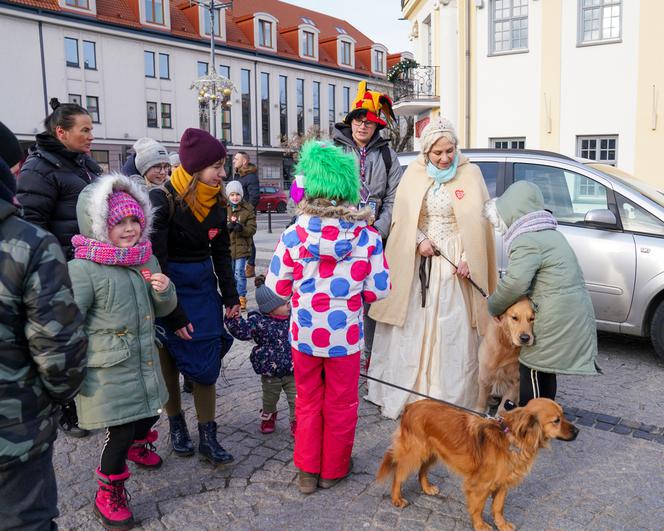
(646,189)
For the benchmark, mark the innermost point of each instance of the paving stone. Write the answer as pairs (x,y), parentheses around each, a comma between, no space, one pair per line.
(644,435)
(608,419)
(622,429)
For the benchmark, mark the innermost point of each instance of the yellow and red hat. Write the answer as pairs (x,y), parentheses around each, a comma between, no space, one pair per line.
(372,103)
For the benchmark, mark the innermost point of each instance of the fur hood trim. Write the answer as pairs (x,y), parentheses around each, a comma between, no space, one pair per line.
(249,168)
(323,208)
(92,207)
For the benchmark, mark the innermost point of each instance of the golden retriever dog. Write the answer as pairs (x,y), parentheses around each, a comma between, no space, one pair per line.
(492,456)
(499,354)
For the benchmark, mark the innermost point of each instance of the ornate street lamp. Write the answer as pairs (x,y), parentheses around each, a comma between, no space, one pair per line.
(213,90)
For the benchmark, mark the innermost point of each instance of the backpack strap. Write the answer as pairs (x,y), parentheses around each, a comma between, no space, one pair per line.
(170,199)
(387,157)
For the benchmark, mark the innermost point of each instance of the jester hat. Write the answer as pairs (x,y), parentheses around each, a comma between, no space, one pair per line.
(329,172)
(373,103)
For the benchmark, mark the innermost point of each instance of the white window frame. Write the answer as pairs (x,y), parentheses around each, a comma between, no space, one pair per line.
(510,21)
(602,6)
(301,32)
(377,49)
(265,17)
(598,149)
(220,16)
(90,10)
(349,40)
(166,5)
(509,140)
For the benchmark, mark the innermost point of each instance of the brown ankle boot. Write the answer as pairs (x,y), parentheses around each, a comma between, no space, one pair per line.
(243,303)
(307,482)
(250,271)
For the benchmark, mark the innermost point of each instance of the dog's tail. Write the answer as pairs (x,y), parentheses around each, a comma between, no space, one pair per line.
(386,467)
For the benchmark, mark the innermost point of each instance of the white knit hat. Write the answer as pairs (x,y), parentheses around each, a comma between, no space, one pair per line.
(436,129)
(149,153)
(234,187)
(174,158)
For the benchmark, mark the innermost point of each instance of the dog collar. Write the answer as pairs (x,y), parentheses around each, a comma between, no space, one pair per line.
(503,426)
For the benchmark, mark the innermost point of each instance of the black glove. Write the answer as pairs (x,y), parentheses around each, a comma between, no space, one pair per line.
(238,227)
(231,226)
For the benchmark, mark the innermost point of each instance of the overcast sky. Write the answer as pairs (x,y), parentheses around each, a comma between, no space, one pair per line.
(378,20)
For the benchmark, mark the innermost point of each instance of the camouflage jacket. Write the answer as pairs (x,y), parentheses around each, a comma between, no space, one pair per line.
(42,343)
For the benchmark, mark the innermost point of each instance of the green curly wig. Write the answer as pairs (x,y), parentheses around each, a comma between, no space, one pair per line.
(329,172)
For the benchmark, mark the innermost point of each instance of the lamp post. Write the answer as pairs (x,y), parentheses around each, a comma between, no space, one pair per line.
(213,89)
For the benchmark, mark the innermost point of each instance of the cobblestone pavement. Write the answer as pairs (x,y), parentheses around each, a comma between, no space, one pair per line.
(603,480)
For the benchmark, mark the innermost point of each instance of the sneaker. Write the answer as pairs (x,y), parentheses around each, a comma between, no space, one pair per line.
(293,427)
(268,421)
(306,482)
(329,483)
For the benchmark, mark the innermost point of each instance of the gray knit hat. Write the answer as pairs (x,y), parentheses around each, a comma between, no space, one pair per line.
(266,299)
(174,158)
(234,187)
(149,153)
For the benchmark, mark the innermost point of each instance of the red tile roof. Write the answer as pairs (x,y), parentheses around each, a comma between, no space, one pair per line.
(239,26)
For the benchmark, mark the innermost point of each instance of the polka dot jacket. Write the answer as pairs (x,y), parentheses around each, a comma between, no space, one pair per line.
(328,267)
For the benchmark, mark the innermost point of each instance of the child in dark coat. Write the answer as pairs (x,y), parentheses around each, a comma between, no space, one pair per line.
(271,357)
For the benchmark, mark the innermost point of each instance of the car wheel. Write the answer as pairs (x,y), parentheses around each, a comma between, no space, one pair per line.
(281,207)
(657,331)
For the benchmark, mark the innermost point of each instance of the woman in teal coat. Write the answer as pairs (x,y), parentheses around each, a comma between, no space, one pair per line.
(543,266)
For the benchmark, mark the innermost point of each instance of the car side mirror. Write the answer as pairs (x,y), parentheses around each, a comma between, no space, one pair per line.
(602,217)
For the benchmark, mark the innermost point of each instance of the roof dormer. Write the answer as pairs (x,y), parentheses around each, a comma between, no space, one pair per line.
(378,60)
(219,22)
(346,50)
(265,32)
(155,13)
(84,7)
(308,40)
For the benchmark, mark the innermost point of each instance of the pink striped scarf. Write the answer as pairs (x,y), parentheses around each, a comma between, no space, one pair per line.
(107,254)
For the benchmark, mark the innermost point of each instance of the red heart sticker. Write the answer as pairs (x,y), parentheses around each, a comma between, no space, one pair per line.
(212,233)
(147,274)
(459,193)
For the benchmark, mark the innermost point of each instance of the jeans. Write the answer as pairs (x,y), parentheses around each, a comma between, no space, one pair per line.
(239,265)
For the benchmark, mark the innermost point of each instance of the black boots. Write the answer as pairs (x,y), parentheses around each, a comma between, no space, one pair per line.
(209,447)
(69,421)
(180,439)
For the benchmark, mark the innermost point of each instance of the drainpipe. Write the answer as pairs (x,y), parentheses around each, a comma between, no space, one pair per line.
(43,67)
(256,107)
(468,79)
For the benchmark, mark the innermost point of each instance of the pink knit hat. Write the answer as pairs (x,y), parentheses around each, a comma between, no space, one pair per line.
(121,205)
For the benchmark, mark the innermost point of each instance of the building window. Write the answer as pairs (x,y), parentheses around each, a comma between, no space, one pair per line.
(346,53)
(508,143)
(346,92)
(265,107)
(92,105)
(152,114)
(379,61)
(164,69)
(206,21)
(75,98)
(226,130)
(71,52)
(265,33)
(509,25)
(316,98)
(100,156)
(332,107)
(599,20)
(202,68)
(283,106)
(81,4)
(149,64)
(246,107)
(166,116)
(89,55)
(600,148)
(299,85)
(154,11)
(308,44)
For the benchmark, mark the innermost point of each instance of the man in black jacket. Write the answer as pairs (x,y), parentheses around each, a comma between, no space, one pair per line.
(42,358)
(246,173)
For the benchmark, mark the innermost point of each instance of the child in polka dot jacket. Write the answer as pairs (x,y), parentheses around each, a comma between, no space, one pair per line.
(328,263)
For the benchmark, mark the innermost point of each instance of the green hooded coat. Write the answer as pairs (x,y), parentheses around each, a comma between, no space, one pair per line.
(123,382)
(543,266)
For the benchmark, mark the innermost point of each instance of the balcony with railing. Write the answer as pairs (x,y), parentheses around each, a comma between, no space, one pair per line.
(415,89)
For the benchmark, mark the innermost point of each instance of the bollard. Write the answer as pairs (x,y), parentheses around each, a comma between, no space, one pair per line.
(269,218)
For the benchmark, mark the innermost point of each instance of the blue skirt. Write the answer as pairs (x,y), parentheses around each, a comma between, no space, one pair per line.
(196,288)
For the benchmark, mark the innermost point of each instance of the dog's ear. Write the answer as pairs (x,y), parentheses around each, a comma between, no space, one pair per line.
(527,428)
(497,319)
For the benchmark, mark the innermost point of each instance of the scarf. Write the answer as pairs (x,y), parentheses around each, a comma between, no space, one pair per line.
(107,254)
(531,222)
(206,195)
(443,176)
(364,192)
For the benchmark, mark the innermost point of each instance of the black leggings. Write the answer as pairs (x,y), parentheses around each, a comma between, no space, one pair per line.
(536,384)
(117,442)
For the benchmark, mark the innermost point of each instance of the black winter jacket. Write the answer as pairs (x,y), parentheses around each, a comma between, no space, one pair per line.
(42,340)
(49,184)
(182,238)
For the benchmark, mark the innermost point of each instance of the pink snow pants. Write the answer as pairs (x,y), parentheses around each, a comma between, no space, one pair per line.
(326,410)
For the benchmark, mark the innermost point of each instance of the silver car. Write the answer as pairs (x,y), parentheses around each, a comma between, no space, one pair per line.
(614,223)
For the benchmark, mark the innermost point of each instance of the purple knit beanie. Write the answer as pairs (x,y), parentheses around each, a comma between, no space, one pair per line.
(121,205)
(199,149)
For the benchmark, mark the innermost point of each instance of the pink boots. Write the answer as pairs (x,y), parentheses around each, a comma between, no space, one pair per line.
(111,501)
(142,452)
(268,421)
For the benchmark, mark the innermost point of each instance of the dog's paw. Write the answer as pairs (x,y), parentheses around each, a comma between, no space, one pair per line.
(431,490)
(399,503)
(483,526)
(506,526)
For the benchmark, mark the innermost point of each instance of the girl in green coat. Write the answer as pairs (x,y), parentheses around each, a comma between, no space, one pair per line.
(119,289)
(543,266)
